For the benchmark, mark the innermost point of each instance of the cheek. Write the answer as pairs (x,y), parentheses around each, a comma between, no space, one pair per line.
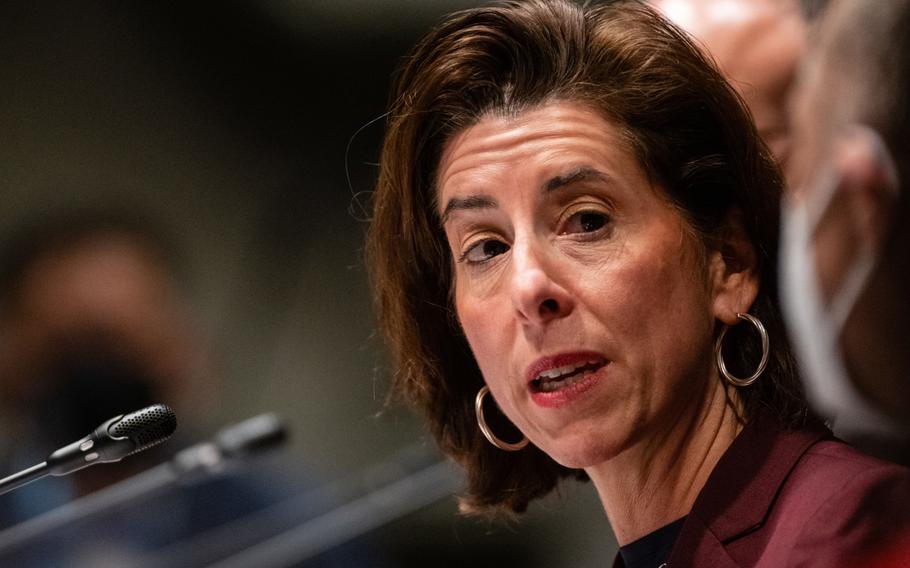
(482,324)
(489,326)
(661,310)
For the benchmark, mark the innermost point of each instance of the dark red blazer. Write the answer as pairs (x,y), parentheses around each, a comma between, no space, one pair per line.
(800,498)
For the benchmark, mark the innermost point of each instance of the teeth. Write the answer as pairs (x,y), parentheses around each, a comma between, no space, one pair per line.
(560,371)
(549,386)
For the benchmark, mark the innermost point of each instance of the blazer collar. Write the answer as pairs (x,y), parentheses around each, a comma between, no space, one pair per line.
(740,492)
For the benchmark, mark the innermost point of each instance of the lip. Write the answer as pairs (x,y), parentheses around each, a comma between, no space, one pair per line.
(572,391)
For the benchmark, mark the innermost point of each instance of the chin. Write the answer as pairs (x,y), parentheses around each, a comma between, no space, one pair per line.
(583,451)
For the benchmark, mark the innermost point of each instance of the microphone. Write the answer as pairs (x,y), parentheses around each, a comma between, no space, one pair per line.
(242,441)
(251,436)
(233,443)
(112,441)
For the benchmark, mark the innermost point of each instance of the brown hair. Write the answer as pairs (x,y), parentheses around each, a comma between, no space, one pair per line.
(688,129)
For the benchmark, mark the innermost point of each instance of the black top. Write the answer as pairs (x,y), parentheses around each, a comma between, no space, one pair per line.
(653,549)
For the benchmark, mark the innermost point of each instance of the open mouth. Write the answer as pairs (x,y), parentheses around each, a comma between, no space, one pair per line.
(561,377)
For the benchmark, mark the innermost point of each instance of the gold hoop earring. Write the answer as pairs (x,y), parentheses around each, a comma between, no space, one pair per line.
(485,430)
(765,351)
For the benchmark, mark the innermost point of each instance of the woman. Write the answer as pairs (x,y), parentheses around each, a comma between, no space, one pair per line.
(575,214)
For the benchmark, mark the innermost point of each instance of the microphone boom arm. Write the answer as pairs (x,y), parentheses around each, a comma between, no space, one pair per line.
(233,443)
(24,477)
(111,442)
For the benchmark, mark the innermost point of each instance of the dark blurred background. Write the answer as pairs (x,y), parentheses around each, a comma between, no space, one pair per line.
(225,126)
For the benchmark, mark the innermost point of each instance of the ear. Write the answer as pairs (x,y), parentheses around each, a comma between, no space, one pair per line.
(733,269)
(870,184)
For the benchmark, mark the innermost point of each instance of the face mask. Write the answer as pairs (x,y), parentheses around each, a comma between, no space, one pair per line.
(91,384)
(816,327)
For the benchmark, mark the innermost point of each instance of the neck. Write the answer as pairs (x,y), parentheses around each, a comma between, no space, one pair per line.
(656,481)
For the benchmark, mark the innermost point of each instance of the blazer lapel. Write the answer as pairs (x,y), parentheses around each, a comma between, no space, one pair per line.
(698,546)
(708,551)
(741,490)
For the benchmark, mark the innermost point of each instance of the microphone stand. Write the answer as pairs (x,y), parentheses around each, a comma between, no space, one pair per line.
(350,520)
(234,442)
(412,479)
(147,483)
(24,477)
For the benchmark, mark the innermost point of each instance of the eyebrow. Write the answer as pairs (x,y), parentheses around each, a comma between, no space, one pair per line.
(463,203)
(581,173)
(481,201)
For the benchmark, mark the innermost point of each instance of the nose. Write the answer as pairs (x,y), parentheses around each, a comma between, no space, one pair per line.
(537,295)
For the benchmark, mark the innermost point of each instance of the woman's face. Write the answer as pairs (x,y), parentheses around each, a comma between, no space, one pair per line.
(579,287)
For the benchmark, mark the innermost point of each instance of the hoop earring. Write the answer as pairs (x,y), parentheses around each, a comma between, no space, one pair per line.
(485,430)
(765,351)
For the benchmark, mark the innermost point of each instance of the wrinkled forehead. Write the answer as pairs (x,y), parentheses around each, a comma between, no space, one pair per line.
(553,136)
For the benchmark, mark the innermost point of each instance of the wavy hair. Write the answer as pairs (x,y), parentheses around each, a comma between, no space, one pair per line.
(689,130)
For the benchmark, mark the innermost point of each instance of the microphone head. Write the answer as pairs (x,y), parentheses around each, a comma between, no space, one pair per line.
(117,438)
(251,436)
(146,427)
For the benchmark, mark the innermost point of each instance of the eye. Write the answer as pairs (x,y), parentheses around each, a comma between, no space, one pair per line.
(483,251)
(585,222)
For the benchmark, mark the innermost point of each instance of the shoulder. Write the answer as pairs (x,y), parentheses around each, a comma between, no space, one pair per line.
(792,497)
(837,502)
(832,467)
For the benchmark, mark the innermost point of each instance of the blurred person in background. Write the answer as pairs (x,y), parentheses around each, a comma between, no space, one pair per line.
(93,324)
(576,218)
(846,233)
(845,262)
(757,44)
